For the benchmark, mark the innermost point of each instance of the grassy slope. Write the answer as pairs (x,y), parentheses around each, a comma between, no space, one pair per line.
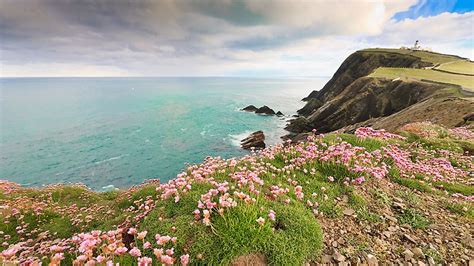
(463,67)
(295,236)
(440,61)
(467,82)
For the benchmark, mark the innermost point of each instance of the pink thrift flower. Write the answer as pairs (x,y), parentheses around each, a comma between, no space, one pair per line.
(146,245)
(144,261)
(184,259)
(135,252)
(271,215)
(261,221)
(142,235)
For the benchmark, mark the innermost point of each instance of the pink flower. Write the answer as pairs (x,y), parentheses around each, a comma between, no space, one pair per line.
(146,245)
(144,261)
(261,221)
(100,259)
(184,259)
(158,252)
(331,178)
(135,252)
(121,250)
(271,215)
(132,231)
(167,260)
(142,235)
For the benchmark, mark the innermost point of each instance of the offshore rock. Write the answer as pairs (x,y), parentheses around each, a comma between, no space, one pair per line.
(254,140)
(250,108)
(265,110)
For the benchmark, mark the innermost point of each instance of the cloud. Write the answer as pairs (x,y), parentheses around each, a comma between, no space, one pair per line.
(207,37)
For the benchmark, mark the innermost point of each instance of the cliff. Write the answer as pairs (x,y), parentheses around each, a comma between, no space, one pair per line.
(353,96)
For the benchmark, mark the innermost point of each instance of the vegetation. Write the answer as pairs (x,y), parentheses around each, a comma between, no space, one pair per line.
(273,203)
(466,82)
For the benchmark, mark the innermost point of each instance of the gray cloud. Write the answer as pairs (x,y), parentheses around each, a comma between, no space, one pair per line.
(178,37)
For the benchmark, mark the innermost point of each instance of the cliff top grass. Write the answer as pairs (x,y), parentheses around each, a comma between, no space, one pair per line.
(466,82)
(272,206)
(427,56)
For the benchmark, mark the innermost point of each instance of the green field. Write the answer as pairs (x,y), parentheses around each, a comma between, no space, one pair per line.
(461,66)
(426,56)
(467,82)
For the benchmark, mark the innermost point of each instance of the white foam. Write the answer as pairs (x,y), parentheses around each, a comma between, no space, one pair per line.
(236,138)
(111,159)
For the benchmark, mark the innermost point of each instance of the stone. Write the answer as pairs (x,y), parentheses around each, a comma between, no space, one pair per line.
(254,140)
(409,238)
(279,113)
(250,108)
(265,110)
(418,252)
(431,261)
(348,211)
(372,260)
(326,259)
(407,254)
(338,257)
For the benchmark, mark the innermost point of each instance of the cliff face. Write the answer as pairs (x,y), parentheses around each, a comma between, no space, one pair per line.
(350,97)
(360,64)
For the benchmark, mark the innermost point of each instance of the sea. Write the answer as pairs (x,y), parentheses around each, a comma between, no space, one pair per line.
(112,133)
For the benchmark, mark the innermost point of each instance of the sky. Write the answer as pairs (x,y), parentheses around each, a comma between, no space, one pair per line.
(250,38)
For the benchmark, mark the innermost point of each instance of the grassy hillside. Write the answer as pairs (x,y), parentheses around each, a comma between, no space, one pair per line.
(466,82)
(461,67)
(372,196)
(461,70)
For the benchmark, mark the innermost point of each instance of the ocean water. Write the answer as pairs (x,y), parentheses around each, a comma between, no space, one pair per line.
(121,131)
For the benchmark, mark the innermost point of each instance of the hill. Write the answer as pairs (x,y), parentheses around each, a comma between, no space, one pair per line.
(386,88)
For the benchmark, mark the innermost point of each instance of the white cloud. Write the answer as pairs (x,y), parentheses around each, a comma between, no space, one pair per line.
(210,37)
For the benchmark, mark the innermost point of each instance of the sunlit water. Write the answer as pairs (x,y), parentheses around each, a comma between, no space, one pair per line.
(121,131)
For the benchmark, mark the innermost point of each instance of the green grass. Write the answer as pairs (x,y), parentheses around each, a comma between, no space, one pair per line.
(462,66)
(413,218)
(414,184)
(432,57)
(409,196)
(463,209)
(370,144)
(467,82)
(456,188)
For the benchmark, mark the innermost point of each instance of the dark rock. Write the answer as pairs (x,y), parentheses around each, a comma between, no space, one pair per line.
(312,105)
(468,117)
(250,108)
(279,113)
(254,140)
(265,110)
(299,125)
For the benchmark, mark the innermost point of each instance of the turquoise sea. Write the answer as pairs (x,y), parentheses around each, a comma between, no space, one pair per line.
(121,131)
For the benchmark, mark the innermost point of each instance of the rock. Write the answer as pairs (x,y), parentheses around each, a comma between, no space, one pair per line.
(265,110)
(409,238)
(279,113)
(418,252)
(468,117)
(348,212)
(372,260)
(407,254)
(338,257)
(299,125)
(256,259)
(254,140)
(250,108)
(431,261)
(421,263)
(326,259)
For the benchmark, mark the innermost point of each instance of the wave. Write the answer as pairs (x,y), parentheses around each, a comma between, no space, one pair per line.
(112,159)
(236,138)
